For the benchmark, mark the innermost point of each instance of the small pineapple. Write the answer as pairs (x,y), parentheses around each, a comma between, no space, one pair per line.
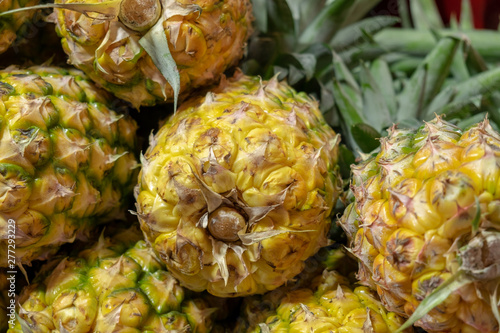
(11,24)
(328,304)
(204,37)
(236,190)
(426,220)
(116,285)
(67,161)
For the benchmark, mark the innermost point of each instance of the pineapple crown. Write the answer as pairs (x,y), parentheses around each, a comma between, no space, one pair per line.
(368,76)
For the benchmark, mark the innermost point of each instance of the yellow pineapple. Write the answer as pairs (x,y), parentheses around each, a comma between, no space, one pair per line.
(205,37)
(237,188)
(327,304)
(67,160)
(425,225)
(117,284)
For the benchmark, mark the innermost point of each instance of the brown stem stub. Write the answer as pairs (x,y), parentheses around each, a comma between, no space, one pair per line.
(225,223)
(139,15)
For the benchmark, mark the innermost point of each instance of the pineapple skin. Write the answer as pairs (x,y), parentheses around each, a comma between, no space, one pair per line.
(203,43)
(10,25)
(67,161)
(263,153)
(412,223)
(328,304)
(117,284)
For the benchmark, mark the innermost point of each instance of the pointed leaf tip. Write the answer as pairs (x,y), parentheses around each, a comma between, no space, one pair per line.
(156,45)
(439,295)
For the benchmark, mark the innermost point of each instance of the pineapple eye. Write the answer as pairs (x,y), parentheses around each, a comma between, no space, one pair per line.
(225,223)
(139,15)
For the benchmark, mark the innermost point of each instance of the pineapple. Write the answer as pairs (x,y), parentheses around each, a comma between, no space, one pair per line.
(10,25)
(204,38)
(328,304)
(256,309)
(116,285)
(425,225)
(66,160)
(236,189)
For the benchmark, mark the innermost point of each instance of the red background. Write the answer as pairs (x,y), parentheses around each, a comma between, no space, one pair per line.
(486,12)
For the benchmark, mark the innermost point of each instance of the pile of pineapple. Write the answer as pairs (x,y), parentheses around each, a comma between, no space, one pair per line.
(309,168)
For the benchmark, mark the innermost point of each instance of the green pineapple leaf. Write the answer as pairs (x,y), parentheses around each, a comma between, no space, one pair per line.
(454,98)
(342,73)
(459,68)
(404,13)
(347,100)
(156,45)
(346,159)
(466,17)
(325,25)
(380,70)
(307,62)
(375,107)
(428,79)
(438,296)
(425,14)
(454,24)
(365,137)
(358,32)
(358,10)
(473,120)
(280,16)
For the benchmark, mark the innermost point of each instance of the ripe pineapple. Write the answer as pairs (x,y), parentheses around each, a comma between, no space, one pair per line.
(66,160)
(115,285)
(328,304)
(236,190)
(11,24)
(204,37)
(426,215)
(256,309)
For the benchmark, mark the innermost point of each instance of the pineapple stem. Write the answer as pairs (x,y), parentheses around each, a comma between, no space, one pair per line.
(225,223)
(139,15)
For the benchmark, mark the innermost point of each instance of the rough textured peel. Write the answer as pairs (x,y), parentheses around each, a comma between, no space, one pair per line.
(67,161)
(427,210)
(236,189)
(117,285)
(327,304)
(204,37)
